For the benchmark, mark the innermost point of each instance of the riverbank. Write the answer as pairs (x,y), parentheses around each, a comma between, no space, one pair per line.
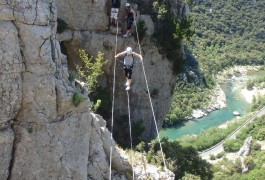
(250,94)
(235,71)
(218,98)
(218,101)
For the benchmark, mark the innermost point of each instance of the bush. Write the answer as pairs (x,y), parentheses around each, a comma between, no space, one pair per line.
(232,145)
(72,75)
(77,98)
(104,95)
(258,103)
(181,159)
(250,85)
(249,162)
(261,134)
(212,157)
(220,155)
(141,146)
(256,146)
(95,106)
(92,69)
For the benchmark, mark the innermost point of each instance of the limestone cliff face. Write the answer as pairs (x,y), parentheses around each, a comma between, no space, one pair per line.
(92,35)
(42,135)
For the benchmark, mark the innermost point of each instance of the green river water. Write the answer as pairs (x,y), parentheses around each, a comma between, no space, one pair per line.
(235,102)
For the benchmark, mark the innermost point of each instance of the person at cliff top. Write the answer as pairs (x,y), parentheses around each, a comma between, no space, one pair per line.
(128,62)
(130,19)
(115,6)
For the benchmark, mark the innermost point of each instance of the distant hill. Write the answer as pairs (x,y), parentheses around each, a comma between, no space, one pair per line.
(228,33)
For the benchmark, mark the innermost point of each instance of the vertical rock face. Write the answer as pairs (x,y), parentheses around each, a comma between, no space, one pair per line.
(11,66)
(84,14)
(42,135)
(158,69)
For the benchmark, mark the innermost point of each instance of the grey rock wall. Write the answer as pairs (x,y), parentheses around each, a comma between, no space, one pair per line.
(158,69)
(42,135)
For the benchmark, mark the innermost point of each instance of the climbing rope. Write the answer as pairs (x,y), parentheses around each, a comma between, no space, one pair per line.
(130,125)
(150,100)
(112,110)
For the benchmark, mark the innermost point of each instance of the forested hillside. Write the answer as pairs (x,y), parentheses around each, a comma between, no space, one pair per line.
(227,33)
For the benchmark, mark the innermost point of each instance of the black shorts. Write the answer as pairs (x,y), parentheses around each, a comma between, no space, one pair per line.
(128,72)
(129,24)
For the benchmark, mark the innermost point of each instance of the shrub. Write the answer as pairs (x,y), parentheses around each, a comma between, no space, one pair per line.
(249,162)
(220,155)
(256,146)
(212,157)
(95,106)
(250,85)
(62,25)
(261,134)
(141,146)
(72,75)
(141,29)
(77,98)
(104,95)
(92,69)
(232,145)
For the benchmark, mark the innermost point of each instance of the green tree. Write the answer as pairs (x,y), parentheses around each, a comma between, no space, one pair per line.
(232,145)
(182,159)
(92,69)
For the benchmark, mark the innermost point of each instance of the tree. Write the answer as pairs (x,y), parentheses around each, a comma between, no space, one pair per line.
(182,159)
(92,69)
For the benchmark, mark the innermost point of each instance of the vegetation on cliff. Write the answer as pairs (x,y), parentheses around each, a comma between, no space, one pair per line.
(226,34)
(183,161)
(227,169)
(170,31)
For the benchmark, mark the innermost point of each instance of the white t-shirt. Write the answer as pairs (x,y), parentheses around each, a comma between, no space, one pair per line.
(128,59)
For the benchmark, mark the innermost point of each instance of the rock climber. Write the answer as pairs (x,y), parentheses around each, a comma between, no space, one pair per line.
(130,19)
(115,6)
(128,63)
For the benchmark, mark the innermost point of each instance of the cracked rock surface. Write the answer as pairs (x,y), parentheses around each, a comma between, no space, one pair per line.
(42,135)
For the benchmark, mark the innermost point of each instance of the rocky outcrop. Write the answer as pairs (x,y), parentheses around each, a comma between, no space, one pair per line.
(159,75)
(84,14)
(158,69)
(217,101)
(6,144)
(42,135)
(244,152)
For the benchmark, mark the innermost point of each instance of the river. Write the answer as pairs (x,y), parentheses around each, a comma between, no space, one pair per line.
(235,102)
